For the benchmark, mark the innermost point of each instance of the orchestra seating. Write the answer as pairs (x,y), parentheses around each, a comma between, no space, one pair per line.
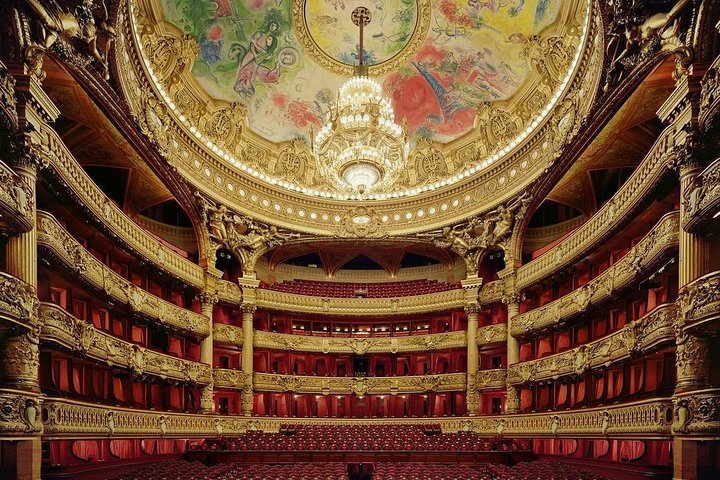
(318,288)
(184,470)
(364,438)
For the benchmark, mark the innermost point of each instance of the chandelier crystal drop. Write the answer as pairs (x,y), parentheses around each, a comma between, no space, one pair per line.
(361,146)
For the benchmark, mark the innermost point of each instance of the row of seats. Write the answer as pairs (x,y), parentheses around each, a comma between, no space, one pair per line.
(179,469)
(363,438)
(182,470)
(318,288)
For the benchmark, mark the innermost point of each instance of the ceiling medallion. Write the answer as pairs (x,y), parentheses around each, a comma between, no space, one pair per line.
(360,145)
(392,41)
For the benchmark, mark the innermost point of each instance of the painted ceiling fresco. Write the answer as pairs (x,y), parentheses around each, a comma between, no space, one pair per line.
(470,52)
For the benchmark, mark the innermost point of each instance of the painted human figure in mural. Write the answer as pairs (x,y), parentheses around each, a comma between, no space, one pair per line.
(261,48)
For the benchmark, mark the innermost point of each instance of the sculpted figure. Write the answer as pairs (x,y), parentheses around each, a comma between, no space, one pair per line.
(55,22)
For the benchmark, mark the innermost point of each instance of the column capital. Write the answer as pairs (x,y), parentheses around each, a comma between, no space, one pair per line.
(512,297)
(248,308)
(208,297)
(472,309)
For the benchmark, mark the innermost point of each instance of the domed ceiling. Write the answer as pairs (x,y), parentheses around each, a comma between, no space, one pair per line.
(436,60)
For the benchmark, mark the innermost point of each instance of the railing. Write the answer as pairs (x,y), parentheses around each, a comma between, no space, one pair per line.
(434,302)
(111,218)
(656,245)
(491,379)
(17,201)
(64,418)
(271,382)
(700,301)
(701,198)
(607,221)
(84,340)
(642,335)
(492,334)
(55,239)
(230,334)
(709,96)
(491,292)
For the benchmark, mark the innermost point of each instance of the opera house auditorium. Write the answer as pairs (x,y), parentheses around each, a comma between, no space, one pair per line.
(360,239)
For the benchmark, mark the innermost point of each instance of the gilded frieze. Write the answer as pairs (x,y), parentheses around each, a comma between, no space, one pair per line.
(270,382)
(661,240)
(83,339)
(701,198)
(697,413)
(20,413)
(649,332)
(54,238)
(63,418)
(434,302)
(700,301)
(18,300)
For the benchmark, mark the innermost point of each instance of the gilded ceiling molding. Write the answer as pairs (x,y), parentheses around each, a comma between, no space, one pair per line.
(652,331)
(53,238)
(271,382)
(608,220)
(264,201)
(64,418)
(20,413)
(471,239)
(245,237)
(289,302)
(656,246)
(699,302)
(61,164)
(83,339)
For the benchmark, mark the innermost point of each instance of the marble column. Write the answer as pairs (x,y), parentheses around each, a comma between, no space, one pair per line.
(247,358)
(472,397)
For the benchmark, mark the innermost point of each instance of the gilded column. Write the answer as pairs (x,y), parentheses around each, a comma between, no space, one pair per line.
(207,302)
(248,310)
(512,400)
(472,397)
(22,354)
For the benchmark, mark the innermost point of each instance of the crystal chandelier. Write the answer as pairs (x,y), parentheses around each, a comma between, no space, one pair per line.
(361,146)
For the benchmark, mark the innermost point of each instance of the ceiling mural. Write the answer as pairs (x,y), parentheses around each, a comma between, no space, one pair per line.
(285,59)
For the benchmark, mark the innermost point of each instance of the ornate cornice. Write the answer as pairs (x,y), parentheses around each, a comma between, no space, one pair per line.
(661,241)
(612,216)
(699,302)
(55,239)
(108,217)
(434,302)
(63,418)
(641,336)
(270,382)
(701,197)
(20,413)
(268,203)
(83,339)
